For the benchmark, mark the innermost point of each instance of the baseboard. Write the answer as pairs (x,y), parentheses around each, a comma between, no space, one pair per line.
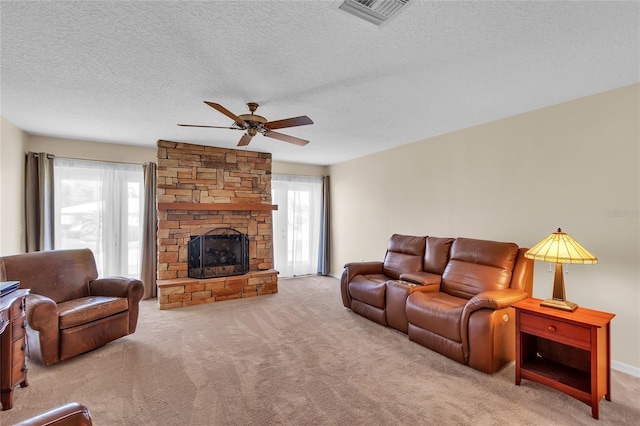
(626,368)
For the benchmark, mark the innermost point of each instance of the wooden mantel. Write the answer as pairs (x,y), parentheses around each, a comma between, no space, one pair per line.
(217,206)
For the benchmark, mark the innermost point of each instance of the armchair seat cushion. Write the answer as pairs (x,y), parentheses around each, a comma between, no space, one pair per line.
(439,313)
(87,309)
(369,289)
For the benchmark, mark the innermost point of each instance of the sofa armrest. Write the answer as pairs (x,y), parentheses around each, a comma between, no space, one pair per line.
(423,278)
(358,268)
(494,300)
(130,288)
(43,334)
(351,270)
(72,414)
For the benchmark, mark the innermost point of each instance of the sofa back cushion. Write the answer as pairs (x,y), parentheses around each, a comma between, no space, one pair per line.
(478,265)
(404,254)
(436,254)
(60,275)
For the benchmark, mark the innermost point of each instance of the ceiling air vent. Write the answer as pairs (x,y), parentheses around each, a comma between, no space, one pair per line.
(374,11)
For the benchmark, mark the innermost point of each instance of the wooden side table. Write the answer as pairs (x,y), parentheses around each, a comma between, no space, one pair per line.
(568,351)
(13,370)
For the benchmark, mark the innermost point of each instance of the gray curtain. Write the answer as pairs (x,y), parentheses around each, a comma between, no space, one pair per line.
(148,271)
(324,261)
(39,215)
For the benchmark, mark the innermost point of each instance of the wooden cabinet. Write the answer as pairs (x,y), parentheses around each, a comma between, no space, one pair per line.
(568,351)
(13,344)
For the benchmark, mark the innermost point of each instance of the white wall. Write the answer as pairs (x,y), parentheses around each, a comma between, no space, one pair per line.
(573,165)
(12,163)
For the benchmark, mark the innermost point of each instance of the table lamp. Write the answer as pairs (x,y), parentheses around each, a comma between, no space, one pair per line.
(560,248)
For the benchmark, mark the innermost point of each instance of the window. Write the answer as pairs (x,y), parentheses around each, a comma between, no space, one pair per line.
(98,206)
(296,224)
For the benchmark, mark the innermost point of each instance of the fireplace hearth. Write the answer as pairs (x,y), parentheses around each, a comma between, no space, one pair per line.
(221,252)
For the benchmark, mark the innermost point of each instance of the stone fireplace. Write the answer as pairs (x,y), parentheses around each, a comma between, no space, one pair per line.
(202,190)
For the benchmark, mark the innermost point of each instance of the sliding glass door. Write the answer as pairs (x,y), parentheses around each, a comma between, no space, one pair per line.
(296,224)
(98,206)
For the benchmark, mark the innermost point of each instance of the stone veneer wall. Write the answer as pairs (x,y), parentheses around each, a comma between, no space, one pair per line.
(200,188)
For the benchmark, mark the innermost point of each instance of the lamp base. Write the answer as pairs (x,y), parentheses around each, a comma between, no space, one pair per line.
(564,305)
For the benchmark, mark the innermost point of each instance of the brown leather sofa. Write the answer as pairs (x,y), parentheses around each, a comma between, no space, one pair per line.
(71,414)
(451,295)
(70,310)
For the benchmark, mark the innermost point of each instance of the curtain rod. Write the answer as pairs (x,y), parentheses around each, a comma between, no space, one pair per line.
(288,174)
(51,157)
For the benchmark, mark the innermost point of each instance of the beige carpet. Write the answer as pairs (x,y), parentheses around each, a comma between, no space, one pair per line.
(296,358)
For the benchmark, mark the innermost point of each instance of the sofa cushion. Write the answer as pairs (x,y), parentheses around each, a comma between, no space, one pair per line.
(404,254)
(478,265)
(437,312)
(86,309)
(436,254)
(369,289)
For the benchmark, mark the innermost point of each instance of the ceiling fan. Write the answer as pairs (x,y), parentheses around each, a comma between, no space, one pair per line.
(254,124)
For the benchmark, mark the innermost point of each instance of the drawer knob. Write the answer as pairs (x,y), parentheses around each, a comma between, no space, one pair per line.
(24,324)
(24,368)
(23,347)
(551,328)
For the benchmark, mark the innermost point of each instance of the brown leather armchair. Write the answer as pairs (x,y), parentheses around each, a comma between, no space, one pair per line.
(72,414)
(70,311)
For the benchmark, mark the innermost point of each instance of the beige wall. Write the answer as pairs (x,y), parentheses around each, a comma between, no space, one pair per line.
(573,165)
(283,168)
(86,150)
(12,161)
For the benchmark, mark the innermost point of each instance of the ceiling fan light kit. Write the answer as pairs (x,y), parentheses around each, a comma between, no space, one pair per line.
(253,124)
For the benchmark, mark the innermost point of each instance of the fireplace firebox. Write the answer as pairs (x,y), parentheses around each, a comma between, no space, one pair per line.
(220,252)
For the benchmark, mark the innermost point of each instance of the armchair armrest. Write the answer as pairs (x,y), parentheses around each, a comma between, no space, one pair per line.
(72,414)
(116,287)
(129,288)
(42,312)
(43,335)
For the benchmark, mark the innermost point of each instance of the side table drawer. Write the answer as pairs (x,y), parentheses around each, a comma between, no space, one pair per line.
(558,331)
(19,349)
(18,372)
(18,328)
(17,308)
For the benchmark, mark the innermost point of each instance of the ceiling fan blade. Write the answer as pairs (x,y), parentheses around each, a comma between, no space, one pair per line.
(211,127)
(226,112)
(303,120)
(286,138)
(245,139)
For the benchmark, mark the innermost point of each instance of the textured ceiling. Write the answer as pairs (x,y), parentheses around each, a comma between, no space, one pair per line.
(128,72)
